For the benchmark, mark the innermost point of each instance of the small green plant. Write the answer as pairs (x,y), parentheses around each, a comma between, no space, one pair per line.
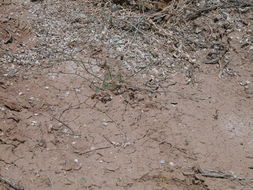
(112,82)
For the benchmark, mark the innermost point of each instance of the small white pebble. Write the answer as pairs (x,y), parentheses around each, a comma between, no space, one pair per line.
(76,160)
(172,163)
(31,98)
(73,142)
(65,131)
(46,87)
(34,123)
(104,123)
(52,77)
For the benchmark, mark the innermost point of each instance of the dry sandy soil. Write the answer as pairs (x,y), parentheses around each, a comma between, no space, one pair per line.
(126,95)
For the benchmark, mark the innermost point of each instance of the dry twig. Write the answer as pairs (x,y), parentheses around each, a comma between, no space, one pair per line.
(217,174)
(92,150)
(63,123)
(10,184)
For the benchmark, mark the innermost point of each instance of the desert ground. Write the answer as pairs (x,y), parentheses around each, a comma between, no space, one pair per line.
(126,95)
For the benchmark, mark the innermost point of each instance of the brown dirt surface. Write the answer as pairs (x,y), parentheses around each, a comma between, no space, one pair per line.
(126,95)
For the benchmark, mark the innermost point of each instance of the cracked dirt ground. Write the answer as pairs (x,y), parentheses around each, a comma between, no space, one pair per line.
(137,116)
